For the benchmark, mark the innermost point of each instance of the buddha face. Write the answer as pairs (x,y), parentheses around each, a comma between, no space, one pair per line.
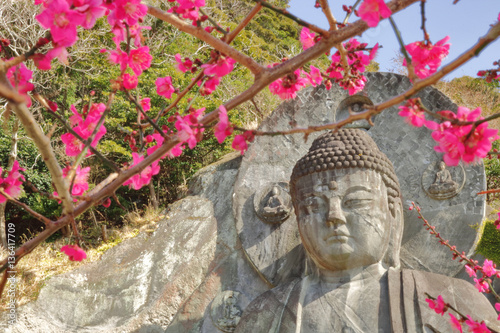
(344,218)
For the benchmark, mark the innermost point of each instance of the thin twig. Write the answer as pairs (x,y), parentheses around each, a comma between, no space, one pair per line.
(56,115)
(148,119)
(422,13)
(216,43)
(40,217)
(23,57)
(352,11)
(215,25)
(472,263)
(402,48)
(230,37)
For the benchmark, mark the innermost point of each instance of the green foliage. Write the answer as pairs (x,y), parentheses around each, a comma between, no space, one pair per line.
(268,38)
(489,245)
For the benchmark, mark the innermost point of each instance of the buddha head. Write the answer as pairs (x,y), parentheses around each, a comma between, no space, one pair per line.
(347,202)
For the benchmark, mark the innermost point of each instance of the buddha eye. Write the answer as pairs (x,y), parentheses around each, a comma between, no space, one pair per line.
(313,205)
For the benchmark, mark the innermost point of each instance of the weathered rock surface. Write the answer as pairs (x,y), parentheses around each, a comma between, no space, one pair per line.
(139,284)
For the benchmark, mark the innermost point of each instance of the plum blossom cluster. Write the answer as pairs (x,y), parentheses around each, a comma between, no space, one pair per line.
(63,17)
(189,132)
(79,183)
(472,268)
(124,17)
(467,142)
(84,125)
(351,78)
(144,177)
(371,11)
(12,182)
(491,74)
(288,86)
(223,129)
(219,67)
(19,77)
(188,9)
(426,57)
(413,112)
(440,307)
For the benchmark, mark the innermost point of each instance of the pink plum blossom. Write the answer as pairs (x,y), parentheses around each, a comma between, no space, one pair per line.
(19,77)
(11,184)
(185,65)
(497,307)
(412,113)
(74,252)
(188,4)
(314,76)
(91,9)
(129,81)
(187,128)
(84,128)
(222,67)
(455,323)
(137,181)
(80,182)
(471,271)
(62,22)
(489,268)
(139,60)
(481,285)
(164,86)
(240,141)
(476,327)
(134,31)
(307,38)
(288,86)
(130,11)
(426,58)
(370,11)
(118,57)
(146,104)
(438,305)
(352,80)
(209,86)
(188,9)
(223,128)
(455,141)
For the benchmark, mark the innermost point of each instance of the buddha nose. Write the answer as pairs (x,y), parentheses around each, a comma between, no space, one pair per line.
(335,213)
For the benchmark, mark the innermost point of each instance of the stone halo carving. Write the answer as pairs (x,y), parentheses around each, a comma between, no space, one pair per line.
(272,203)
(225,311)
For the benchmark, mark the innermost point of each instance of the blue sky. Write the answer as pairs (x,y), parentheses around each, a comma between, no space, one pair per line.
(464,22)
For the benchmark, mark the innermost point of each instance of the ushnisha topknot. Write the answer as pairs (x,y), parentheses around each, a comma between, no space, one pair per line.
(346,149)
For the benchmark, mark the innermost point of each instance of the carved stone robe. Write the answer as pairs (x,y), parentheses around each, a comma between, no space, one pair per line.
(276,310)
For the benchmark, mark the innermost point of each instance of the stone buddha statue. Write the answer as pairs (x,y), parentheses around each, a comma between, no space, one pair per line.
(347,201)
(443,184)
